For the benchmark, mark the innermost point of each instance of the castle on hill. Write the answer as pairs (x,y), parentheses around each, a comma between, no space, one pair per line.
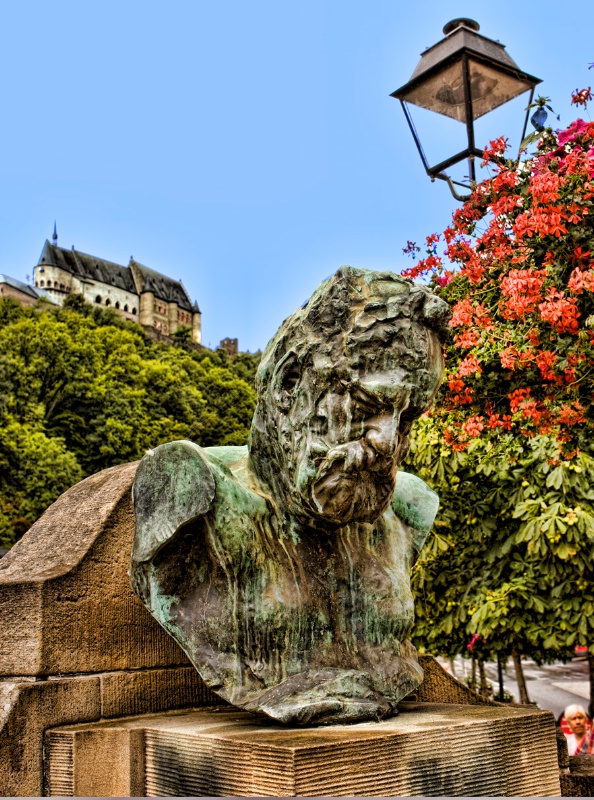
(136,292)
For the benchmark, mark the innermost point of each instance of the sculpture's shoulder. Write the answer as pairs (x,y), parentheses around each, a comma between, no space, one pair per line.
(175,483)
(416,505)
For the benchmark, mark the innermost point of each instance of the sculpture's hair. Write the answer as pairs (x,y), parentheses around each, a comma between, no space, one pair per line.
(355,321)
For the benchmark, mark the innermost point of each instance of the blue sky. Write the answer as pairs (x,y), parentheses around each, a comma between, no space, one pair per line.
(247,148)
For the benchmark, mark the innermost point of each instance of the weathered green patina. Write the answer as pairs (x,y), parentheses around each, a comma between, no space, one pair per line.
(282,568)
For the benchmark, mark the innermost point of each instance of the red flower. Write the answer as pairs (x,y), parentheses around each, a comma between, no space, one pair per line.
(522,289)
(581,97)
(495,150)
(580,255)
(571,414)
(544,361)
(545,187)
(580,281)
(469,366)
(470,338)
(473,426)
(517,397)
(561,313)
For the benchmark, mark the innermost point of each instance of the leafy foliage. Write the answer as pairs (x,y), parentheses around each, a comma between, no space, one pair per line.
(82,389)
(511,557)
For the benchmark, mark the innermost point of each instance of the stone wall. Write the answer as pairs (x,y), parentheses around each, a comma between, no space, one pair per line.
(60,283)
(76,644)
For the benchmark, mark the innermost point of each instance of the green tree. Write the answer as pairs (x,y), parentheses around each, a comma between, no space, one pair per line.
(86,390)
(511,557)
(34,470)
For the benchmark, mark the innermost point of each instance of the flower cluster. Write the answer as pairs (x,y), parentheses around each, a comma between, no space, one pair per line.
(518,269)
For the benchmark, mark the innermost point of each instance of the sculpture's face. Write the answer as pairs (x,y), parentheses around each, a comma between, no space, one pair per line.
(339,386)
(341,441)
(346,467)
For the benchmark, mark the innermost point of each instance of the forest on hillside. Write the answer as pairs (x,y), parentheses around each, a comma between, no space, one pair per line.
(82,389)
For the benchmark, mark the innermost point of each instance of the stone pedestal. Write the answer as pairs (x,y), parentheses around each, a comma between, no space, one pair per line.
(78,649)
(429,750)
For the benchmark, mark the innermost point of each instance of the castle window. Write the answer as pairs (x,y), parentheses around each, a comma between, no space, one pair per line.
(98,298)
(36,283)
(61,286)
(56,284)
(117,304)
(126,307)
(108,302)
(134,311)
(41,283)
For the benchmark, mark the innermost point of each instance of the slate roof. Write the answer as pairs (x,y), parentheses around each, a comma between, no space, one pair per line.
(87,267)
(148,280)
(22,287)
(26,289)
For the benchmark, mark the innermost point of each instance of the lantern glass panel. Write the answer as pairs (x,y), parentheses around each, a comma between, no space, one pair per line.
(444,92)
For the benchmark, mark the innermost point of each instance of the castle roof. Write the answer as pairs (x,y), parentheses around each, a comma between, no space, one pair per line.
(26,289)
(87,267)
(135,278)
(149,280)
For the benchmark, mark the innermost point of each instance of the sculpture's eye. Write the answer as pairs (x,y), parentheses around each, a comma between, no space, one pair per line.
(288,377)
(291,379)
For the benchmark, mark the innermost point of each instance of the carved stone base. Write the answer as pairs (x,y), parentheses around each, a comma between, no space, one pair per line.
(428,750)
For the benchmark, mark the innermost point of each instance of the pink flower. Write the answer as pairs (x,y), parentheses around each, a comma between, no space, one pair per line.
(443,280)
(577,127)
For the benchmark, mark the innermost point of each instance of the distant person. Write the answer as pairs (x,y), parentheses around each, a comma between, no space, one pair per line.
(579,741)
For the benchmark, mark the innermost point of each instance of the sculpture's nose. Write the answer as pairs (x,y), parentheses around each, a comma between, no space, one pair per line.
(381,433)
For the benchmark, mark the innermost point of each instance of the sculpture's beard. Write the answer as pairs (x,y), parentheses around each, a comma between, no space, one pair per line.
(352,484)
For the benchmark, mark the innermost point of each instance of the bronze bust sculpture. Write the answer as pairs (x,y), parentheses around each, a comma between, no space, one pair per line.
(282,568)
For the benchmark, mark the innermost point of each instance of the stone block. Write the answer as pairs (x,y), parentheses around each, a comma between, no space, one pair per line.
(27,709)
(106,762)
(65,596)
(428,750)
(148,691)
(439,686)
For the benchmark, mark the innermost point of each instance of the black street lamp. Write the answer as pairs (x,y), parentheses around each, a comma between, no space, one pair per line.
(463,76)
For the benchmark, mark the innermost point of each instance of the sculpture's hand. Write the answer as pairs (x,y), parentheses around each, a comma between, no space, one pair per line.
(174,485)
(415,504)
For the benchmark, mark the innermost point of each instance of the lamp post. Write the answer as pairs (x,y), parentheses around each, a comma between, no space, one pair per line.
(463,76)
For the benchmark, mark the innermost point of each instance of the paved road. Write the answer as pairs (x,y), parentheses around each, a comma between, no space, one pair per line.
(552,686)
